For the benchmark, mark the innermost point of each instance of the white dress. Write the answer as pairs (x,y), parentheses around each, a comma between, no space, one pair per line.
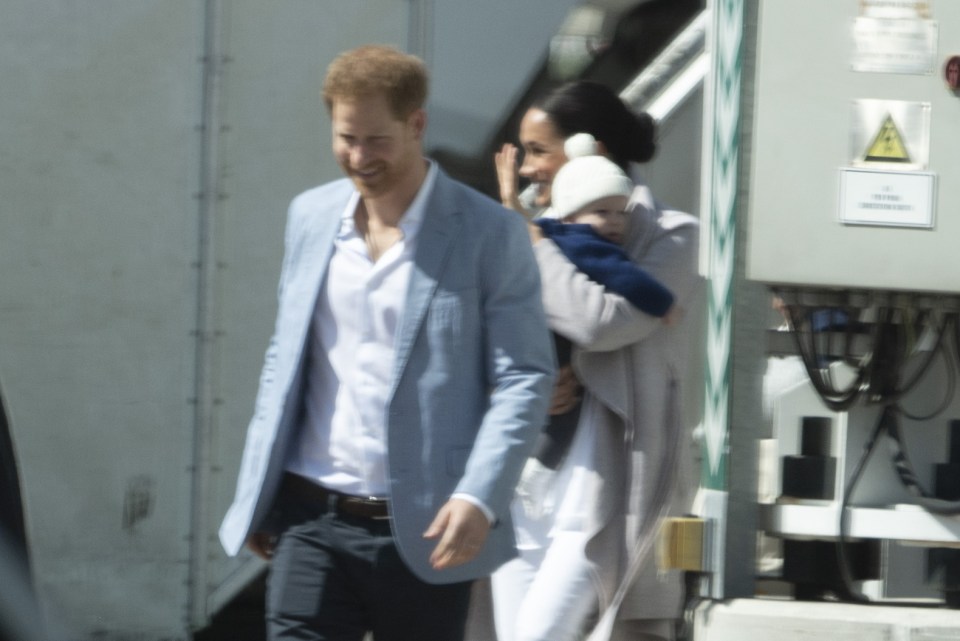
(550,592)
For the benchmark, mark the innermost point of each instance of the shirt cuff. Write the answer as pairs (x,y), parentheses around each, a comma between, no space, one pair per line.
(487,512)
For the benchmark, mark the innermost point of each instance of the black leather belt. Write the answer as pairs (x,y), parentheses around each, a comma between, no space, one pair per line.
(368,508)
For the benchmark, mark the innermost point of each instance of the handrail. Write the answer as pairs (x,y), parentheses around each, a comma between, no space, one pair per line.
(667,81)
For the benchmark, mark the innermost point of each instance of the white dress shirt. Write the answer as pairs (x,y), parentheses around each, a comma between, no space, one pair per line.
(343,443)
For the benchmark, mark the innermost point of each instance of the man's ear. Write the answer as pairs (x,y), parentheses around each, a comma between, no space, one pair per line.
(418,121)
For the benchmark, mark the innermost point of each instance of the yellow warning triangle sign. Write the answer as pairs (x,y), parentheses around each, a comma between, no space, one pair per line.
(887,145)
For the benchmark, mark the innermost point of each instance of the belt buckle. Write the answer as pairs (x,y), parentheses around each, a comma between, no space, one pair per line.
(378,502)
(362,505)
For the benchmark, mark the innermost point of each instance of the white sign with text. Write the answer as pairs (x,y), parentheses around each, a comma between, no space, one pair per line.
(886,198)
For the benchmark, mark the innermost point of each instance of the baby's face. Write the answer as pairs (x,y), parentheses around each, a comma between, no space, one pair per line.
(607,216)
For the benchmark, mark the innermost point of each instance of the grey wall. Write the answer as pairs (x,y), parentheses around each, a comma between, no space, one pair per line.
(98,161)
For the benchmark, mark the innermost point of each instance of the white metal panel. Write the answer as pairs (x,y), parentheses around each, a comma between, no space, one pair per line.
(97,238)
(805,88)
(764,619)
(675,170)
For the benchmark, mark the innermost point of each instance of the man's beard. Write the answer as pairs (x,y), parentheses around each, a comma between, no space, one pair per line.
(383,179)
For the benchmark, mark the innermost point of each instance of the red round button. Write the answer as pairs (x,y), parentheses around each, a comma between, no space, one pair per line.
(951,72)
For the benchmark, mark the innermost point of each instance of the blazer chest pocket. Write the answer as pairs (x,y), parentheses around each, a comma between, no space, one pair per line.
(453,316)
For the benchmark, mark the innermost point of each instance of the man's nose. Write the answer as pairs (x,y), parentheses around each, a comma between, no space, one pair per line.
(358,155)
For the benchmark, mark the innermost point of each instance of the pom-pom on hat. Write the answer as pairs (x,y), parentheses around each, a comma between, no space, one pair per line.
(585,178)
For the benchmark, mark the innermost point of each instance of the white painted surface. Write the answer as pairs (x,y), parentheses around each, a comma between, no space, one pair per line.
(781,620)
(801,136)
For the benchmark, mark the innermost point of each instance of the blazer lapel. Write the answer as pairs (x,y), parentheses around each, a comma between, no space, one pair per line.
(321,249)
(434,243)
(315,258)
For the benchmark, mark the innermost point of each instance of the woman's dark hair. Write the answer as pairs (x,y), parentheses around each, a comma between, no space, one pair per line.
(589,107)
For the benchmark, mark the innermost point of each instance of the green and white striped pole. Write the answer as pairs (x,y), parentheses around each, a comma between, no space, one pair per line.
(721,181)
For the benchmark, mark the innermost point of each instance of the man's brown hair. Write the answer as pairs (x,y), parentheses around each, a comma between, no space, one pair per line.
(377,70)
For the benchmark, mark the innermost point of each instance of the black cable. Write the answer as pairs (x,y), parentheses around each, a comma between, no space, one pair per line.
(951,390)
(876,373)
(836,400)
(888,353)
(900,391)
(885,388)
(851,593)
(851,330)
(878,376)
(899,455)
(905,471)
(889,348)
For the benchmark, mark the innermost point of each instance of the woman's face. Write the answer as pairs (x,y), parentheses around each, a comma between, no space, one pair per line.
(542,152)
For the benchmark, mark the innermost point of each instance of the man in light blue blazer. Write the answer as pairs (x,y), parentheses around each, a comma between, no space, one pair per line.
(408,374)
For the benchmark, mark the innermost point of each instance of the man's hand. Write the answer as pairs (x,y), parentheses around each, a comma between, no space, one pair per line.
(462,529)
(566,391)
(262,544)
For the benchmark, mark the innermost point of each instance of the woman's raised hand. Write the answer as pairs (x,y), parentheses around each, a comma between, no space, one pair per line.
(508,178)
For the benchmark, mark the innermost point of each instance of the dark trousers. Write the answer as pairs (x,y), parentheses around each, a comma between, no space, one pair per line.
(334,577)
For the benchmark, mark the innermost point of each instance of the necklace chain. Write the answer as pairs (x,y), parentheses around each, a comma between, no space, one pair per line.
(374,251)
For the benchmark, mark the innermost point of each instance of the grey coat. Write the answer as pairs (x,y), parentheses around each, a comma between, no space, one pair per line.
(632,367)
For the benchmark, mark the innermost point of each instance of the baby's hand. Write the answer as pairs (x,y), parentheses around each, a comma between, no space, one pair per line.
(536,234)
(673,315)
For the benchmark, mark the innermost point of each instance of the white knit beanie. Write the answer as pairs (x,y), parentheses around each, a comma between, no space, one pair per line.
(585,178)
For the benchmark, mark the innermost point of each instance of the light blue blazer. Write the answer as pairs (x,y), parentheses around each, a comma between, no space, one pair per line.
(472,379)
